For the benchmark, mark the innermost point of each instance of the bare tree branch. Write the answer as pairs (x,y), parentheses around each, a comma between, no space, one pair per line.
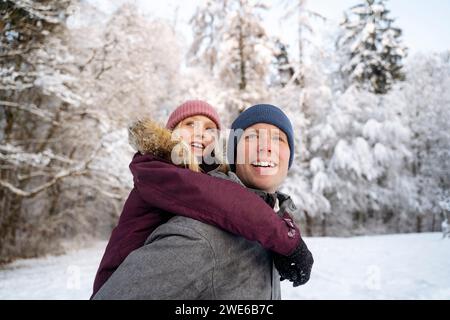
(40,10)
(81,169)
(35,191)
(106,193)
(31,109)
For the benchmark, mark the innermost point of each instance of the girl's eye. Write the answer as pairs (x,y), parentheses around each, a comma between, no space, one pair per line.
(189,123)
(212,133)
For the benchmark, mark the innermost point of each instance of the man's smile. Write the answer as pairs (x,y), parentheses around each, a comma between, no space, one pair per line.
(263,164)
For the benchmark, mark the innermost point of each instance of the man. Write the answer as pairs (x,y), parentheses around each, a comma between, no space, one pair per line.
(187,259)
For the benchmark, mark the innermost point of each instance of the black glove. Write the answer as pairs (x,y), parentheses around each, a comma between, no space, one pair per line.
(296,267)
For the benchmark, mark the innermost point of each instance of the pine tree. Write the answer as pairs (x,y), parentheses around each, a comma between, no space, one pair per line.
(374,47)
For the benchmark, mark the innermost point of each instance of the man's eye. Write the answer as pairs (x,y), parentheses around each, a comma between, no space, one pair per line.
(251,136)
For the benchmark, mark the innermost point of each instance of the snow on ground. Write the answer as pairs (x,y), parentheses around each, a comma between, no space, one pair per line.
(69,276)
(409,266)
(412,266)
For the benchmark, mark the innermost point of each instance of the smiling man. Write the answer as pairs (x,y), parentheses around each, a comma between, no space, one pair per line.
(261,152)
(265,151)
(188,259)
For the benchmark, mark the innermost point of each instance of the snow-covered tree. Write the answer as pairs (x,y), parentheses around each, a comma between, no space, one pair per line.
(207,27)
(66,99)
(299,8)
(353,160)
(236,48)
(131,65)
(27,112)
(359,159)
(424,104)
(374,47)
(285,71)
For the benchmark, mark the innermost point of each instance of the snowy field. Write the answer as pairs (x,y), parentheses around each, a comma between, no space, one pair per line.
(413,266)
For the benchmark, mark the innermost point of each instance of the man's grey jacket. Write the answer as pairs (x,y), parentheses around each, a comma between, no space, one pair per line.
(188,259)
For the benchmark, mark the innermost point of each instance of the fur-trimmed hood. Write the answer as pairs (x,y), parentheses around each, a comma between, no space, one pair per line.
(149,137)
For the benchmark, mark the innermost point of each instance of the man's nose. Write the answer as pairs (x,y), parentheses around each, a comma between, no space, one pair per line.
(264,144)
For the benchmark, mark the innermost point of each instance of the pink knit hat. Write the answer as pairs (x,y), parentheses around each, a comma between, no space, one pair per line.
(192,108)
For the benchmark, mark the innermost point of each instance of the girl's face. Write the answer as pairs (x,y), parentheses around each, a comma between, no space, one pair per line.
(199,133)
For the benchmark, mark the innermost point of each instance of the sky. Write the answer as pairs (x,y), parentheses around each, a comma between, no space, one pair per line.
(425,24)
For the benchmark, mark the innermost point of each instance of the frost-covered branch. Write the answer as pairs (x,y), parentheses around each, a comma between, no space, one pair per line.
(43,11)
(53,181)
(31,109)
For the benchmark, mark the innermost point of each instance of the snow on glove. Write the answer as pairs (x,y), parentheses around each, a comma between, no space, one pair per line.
(295,267)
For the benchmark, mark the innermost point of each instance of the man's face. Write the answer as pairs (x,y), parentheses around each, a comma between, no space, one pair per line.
(263,157)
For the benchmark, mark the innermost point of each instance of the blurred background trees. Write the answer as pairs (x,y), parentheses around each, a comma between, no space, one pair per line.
(372,131)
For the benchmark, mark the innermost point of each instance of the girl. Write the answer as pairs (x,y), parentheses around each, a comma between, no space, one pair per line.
(162,190)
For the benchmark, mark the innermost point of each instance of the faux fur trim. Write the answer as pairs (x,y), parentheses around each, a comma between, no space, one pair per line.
(149,137)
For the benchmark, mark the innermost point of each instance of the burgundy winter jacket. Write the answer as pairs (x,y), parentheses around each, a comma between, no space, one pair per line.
(162,190)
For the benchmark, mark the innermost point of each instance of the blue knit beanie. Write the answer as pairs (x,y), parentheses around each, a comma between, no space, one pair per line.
(261,113)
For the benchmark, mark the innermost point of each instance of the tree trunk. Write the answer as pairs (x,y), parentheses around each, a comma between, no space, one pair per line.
(309,223)
(324,226)
(243,80)
(433,223)
(419,219)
